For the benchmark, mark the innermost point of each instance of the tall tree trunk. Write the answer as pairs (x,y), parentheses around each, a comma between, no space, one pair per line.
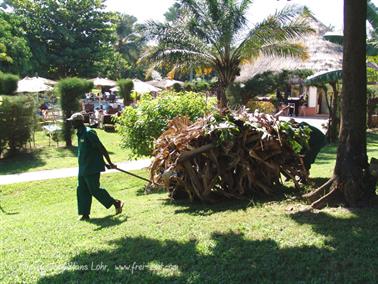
(335,120)
(352,184)
(221,97)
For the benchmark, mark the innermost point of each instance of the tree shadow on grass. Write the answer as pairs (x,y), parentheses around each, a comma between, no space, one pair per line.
(197,208)
(108,221)
(283,192)
(352,240)
(348,255)
(72,149)
(20,163)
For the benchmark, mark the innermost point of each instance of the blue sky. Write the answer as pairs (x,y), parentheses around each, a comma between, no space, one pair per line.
(330,12)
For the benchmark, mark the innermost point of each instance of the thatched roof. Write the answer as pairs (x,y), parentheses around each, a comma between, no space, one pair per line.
(323,56)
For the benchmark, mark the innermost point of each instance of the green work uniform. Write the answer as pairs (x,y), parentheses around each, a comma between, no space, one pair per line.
(316,142)
(91,164)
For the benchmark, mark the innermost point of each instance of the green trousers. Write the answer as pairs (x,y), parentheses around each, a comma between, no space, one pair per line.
(90,186)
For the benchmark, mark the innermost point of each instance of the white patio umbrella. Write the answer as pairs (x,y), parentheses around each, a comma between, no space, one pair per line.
(164,83)
(140,87)
(34,85)
(103,82)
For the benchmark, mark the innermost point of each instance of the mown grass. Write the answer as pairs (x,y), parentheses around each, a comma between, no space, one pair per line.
(45,157)
(159,241)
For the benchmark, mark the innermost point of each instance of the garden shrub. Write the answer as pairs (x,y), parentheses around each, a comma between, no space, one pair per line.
(135,96)
(265,107)
(8,83)
(125,87)
(140,125)
(197,86)
(234,94)
(70,91)
(177,87)
(16,123)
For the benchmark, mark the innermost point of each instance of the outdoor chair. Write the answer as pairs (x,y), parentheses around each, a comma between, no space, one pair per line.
(291,109)
(89,108)
(107,122)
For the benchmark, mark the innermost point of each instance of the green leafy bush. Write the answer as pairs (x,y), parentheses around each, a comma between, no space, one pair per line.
(197,86)
(297,136)
(16,123)
(234,94)
(265,107)
(8,83)
(70,91)
(268,82)
(140,125)
(125,87)
(177,87)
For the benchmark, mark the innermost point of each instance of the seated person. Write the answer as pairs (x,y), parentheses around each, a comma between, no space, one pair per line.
(98,113)
(114,105)
(43,110)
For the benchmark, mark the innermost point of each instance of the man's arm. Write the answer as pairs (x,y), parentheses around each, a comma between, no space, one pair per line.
(101,148)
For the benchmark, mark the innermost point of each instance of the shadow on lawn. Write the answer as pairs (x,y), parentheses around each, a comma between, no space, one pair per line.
(21,163)
(283,192)
(107,222)
(348,256)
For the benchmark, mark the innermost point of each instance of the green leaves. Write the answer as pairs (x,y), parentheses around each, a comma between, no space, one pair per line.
(14,49)
(8,84)
(139,126)
(274,35)
(16,123)
(67,37)
(70,91)
(211,34)
(297,136)
(125,88)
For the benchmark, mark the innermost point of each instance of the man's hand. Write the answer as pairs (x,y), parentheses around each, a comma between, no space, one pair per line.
(111,166)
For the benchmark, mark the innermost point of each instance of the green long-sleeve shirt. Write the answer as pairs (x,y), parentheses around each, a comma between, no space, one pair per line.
(90,159)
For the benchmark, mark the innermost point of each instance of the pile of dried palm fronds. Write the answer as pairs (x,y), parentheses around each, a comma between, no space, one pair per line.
(232,155)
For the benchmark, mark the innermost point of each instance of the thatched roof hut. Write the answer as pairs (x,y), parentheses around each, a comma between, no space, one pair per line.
(323,56)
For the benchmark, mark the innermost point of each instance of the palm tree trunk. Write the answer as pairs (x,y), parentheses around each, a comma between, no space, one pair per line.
(335,121)
(353,185)
(221,97)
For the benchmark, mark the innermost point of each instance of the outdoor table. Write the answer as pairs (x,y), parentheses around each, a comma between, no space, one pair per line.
(52,130)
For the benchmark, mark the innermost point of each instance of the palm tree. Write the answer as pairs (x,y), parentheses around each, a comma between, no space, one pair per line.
(372,42)
(130,37)
(352,183)
(214,34)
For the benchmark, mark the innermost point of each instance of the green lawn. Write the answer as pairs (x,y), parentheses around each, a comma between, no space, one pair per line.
(45,157)
(159,241)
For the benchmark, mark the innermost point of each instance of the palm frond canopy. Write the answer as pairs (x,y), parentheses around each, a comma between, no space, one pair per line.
(324,77)
(323,56)
(214,34)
